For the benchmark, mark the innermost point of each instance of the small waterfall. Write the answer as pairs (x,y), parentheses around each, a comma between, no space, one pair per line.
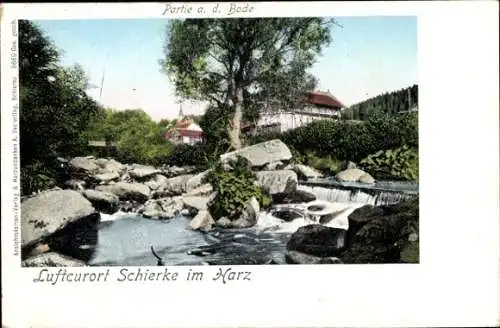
(337,195)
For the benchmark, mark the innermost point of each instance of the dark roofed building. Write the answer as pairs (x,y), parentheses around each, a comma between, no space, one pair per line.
(317,105)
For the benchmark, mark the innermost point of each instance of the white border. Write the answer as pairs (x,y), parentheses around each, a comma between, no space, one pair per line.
(456,283)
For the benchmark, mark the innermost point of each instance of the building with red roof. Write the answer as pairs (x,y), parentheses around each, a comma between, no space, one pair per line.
(317,105)
(185,132)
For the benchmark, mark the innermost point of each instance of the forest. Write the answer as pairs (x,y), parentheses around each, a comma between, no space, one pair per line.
(390,103)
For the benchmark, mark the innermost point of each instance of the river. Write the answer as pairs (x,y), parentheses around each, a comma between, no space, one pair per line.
(125,239)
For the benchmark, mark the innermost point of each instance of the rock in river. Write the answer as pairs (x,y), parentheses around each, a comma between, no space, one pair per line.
(63,219)
(318,240)
(261,154)
(202,221)
(284,181)
(103,201)
(354,175)
(51,211)
(127,191)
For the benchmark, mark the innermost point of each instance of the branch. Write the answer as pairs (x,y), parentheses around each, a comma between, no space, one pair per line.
(160,261)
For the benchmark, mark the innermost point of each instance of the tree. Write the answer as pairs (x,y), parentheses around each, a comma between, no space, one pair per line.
(244,65)
(54,107)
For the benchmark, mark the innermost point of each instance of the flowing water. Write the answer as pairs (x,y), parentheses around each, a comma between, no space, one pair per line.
(125,239)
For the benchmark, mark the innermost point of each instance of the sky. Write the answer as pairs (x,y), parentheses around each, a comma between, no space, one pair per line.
(368,56)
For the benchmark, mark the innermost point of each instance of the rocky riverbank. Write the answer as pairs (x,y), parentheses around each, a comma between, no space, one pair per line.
(59,227)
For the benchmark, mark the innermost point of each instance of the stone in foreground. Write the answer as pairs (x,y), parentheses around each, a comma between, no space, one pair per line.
(274,182)
(294,257)
(261,154)
(51,211)
(52,259)
(318,240)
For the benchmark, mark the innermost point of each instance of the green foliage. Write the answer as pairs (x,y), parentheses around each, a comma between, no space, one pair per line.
(214,124)
(234,188)
(36,177)
(187,155)
(349,140)
(399,163)
(327,164)
(388,103)
(244,64)
(54,107)
(138,138)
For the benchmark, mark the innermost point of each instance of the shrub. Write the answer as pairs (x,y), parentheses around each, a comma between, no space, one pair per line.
(327,165)
(36,177)
(234,188)
(400,163)
(185,154)
(349,140)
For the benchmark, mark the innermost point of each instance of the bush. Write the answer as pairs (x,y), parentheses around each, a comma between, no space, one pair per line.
(399,163)
(185,154)
(350,140)
(234,188)
(327,165)
(36,177)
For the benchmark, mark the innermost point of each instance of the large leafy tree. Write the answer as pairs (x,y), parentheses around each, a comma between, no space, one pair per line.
(54,107)
(244,65)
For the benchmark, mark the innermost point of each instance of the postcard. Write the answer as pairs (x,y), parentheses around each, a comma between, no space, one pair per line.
(250,164)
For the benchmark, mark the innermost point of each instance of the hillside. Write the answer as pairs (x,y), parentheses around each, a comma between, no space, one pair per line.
(391,103)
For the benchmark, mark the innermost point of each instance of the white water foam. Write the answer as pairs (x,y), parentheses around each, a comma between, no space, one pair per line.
(335,195)
(114,216)
(270,223)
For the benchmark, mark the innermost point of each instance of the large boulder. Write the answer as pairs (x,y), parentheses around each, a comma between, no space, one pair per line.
(173,186)
(196,181)
(64,220)
(297,196)
(384,234)
(52,259)
(318,240)
(156,182)
(305,172)
(107,177)
(141,172)
(354,175)
(127,191)
(247,218)
(202,221)
(110,166)
(195,204)
(51,211)
(103,201)
(261,154)
(274,182)
(164,208)
(83,165)
(249,215)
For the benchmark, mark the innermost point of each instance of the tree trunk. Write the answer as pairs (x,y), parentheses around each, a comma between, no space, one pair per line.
(235,126)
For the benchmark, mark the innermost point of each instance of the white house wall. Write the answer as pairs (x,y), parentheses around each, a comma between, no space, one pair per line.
(289,120)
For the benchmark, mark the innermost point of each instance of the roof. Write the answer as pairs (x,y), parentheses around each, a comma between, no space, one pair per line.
(183,133)
(324,99)
(182,124)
